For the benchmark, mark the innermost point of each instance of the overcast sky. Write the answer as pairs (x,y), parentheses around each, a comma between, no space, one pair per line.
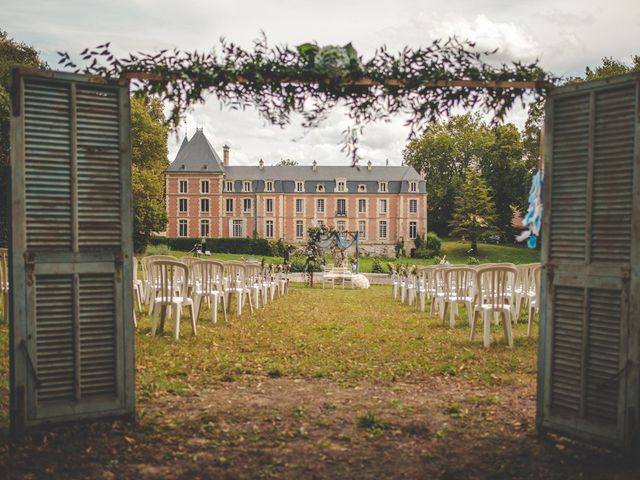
(566,35)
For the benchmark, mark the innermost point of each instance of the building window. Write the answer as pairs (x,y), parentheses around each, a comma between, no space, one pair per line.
(228,186)
(382,205)
(204,186)
(268,205)
(382,233)
(341,206)
(413,186)
(413,230)
(299,229)
(299,205)
(341,226)
(362,229)
(341,185)
(413,206)
(320,205)
(299,186)
(320,187)
(246,186)
(362,187)
(229,205)
(382,187)
(183,230)
(183,205)
(268,186)
(269,229)
(246,205)
(183,186)
(236,228)
(204,228)
(362,205)
(204,205)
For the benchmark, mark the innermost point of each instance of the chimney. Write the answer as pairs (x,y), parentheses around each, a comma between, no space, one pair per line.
(369,165)
(315,166)
(225,155)
(261,164)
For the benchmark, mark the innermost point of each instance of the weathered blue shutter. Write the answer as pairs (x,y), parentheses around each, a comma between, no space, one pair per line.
(588,365)
(72,327)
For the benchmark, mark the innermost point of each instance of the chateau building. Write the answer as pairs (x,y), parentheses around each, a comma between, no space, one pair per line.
(208,197)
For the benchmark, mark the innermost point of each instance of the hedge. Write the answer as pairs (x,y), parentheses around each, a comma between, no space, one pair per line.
(250,246)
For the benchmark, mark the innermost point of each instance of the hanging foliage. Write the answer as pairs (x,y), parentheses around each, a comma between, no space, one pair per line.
(423,83)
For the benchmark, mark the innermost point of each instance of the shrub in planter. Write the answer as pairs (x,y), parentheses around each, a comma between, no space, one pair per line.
(376,266)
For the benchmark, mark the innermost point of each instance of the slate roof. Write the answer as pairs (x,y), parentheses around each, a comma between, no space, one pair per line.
(196,155)
(322,172)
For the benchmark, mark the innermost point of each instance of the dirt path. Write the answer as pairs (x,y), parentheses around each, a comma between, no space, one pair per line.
(300,428)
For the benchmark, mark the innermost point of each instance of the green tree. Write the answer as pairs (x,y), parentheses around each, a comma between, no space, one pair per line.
(443,155)
(149,153)
(506,173)
(287,162)
(474,213)
(12,53)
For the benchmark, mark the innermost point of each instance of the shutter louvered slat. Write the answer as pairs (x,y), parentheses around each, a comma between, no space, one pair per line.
(567,348)
(47,166)
(99,169)
(613,175)
(603,355)
(569,178)
(54,338)
(97,335)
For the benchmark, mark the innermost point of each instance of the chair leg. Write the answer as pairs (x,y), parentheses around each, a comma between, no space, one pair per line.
(214,310)
(250,303)
(474,316)
(224,308)
(197,303)
(507,327)
(452,315)
(192,316)
(155,317)
(239,301)
(487,315)
(176,322)
(530,319)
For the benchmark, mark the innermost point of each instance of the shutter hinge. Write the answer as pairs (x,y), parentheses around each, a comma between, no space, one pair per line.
(30,265)
(32,367)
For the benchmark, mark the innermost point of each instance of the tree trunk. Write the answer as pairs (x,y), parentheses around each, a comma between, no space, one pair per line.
(474,245)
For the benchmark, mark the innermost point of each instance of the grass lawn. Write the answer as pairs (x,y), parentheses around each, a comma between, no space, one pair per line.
(319,384)
(454,250)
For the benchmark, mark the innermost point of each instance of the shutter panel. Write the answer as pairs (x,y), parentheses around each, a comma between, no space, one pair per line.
(569,178)
(589,381)
(71,277)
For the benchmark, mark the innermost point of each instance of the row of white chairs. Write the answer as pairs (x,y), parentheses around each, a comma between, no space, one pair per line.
(4,283)
(168,284)
(489,291)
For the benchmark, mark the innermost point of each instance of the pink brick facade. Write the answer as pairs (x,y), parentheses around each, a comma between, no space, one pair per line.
(263,201)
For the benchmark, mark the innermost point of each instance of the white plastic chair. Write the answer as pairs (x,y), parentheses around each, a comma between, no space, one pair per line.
(170,283)
(237,285)
(459,288)
(148,288)
(494,295)
(533,296)
(137,285)
(4,283)
(255,283)
(207,278)
(437,303)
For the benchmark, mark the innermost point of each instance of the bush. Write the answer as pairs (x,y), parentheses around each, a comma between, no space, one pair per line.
(278,247)
(250,246)
(423,252)
(473,261)
(376,266)
(433,242)
(158,250)
(299,261)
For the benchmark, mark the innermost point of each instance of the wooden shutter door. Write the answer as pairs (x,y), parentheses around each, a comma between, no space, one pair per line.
(72,326)
(588,375)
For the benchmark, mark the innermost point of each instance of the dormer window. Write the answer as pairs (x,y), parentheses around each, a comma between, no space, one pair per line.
(299,186)
(228,186)
(413,186)
(382,187)
(362,187)
(246,186)
(268,186)
(341,185)
(320,187)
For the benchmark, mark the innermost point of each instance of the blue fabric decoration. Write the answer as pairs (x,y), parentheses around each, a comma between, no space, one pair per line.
(533,218)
